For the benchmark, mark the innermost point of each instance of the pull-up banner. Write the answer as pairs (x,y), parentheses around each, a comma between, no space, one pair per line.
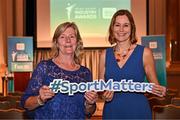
(158,47)
(20,54)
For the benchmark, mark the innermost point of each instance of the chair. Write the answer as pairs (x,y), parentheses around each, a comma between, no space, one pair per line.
(157,101)
(166,112)
(12,114)
(17,105)
(172,93)
(10,98)
(4,105)
(16,93)
(175,101)
(171,90)
(8,102)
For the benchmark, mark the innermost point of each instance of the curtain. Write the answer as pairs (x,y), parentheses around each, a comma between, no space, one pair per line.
(90,59)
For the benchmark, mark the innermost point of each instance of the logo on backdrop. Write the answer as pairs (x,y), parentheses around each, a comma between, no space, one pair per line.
(69,10)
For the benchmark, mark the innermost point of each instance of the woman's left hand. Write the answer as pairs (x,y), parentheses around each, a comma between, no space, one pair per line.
(91,97)
(159,90)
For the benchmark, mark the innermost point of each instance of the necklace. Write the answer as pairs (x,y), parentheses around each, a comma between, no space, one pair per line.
(121,56)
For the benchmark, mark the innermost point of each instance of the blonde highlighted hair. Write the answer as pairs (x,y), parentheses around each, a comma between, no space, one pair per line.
(59,30)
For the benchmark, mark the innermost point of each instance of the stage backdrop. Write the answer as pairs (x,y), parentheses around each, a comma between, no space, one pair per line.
(157,44)
(91,16)
(20,54)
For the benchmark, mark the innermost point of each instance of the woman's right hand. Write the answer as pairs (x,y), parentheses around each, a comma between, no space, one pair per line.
(159,90)
(108,95)
(45,93)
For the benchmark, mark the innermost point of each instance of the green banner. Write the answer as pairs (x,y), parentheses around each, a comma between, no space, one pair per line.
(20,54)
(158,47)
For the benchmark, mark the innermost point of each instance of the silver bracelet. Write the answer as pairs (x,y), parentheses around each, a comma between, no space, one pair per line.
(88,105)
(40,102)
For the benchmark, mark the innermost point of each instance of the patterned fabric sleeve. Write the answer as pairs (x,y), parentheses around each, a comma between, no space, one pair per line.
(89,76)
(35,83)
